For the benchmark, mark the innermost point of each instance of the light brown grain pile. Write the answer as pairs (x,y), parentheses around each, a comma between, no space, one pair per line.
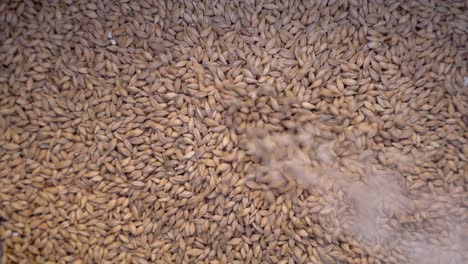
(233,131)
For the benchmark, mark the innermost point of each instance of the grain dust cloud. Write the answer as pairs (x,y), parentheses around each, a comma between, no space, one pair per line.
(364,200)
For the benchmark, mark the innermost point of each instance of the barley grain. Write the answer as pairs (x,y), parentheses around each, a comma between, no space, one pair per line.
(233,131)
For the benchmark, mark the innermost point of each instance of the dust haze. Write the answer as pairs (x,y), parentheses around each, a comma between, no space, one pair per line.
(364,194)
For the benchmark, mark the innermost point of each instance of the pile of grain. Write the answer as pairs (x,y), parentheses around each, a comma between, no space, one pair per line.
(233,131)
